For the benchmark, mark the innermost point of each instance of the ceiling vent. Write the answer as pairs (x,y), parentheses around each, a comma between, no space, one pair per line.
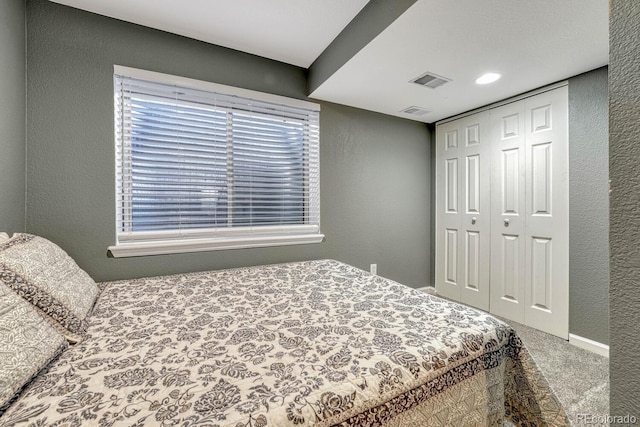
(430,80)
(415,111)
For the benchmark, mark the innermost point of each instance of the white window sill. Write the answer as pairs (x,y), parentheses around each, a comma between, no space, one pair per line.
(178,246)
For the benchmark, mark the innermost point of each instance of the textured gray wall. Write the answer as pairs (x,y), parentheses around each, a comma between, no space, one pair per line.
(12,115)
(374,175)
(624,226)
(373,167)
(589,206)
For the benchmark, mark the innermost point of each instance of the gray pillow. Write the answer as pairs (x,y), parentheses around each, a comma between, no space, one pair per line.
(42,273)
(27,344)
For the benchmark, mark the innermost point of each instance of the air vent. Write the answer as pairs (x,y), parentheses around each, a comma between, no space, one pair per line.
(430,80)
(415,111)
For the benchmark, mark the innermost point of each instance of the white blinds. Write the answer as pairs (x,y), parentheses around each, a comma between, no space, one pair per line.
(193,162)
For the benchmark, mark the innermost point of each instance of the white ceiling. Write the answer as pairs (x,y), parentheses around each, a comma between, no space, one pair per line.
(291,31)
(531,43)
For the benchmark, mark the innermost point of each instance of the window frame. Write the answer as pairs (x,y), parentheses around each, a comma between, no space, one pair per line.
(141,243)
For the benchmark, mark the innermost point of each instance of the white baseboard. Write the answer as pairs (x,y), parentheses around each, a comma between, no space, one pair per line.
(587,344)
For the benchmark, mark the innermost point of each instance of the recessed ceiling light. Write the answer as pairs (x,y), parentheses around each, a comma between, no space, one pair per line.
(488,78)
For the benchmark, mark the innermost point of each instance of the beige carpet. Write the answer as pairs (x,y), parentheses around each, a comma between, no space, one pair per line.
(579,377)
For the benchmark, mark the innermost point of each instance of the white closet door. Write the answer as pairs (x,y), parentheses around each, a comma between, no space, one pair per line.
(508,211)
(547,208)
(447,210)
(530,212)
(462,210)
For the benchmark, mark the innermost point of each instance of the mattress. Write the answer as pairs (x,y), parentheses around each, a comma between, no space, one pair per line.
(316,343)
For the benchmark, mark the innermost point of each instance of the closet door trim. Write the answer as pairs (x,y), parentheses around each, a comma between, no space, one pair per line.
(505,102)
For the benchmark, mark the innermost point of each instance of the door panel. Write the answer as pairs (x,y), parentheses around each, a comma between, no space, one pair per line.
(547,275)
(451,185)
(451,140)
(472,267)
(473,184)
(510,181)
(462,210)
(510,273)
(472,134)
(451,257)
(476,201)
(540,117)
(541,178)
(507,211)
(447,214)
(541,274)
(511,126)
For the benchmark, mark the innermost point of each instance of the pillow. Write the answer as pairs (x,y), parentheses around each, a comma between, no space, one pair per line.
(27,344)
(4,237)
(43,274)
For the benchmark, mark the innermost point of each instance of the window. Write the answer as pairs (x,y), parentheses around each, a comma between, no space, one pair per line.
(201,166)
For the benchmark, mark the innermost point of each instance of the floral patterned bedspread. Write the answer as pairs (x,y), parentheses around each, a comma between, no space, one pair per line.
(316,343)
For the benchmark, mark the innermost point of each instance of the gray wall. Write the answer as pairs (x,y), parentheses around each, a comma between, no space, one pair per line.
(374,203)
(12,115)
(589,206)
(624,231)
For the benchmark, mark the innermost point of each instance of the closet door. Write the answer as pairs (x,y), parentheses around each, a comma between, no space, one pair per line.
(462,210)
(529,212)
(547,208)
(508,211)
(447,210)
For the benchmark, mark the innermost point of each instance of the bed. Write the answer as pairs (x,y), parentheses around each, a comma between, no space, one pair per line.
(317,343)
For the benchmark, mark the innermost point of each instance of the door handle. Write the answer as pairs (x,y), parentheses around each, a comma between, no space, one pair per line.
(473,220)
(506,222)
